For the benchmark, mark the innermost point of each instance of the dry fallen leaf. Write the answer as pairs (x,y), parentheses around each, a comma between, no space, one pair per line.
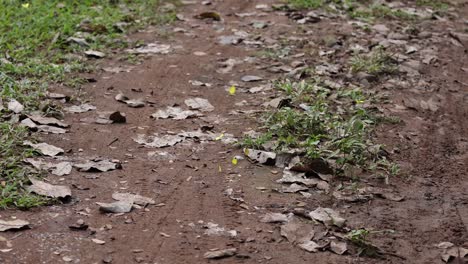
(15,106)
(175,113)
(274,218)
(135,103)
(218,254)
(327,216)
(44,148)
(199,104)
(135,198)
(116,207)
(98,165)
(49,190)
(13,225)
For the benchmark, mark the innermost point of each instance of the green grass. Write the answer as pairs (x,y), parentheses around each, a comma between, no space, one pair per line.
(14,175)
(362,10)
(35,53)
(378,62)
(322,122)
(437,5)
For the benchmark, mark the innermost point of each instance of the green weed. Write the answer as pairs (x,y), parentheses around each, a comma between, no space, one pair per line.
(323,122)
(377,63)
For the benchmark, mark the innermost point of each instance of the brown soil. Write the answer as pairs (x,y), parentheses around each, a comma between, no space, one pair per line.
(430,146)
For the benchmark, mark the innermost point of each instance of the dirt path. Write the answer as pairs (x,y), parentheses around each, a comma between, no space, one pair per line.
(189,181)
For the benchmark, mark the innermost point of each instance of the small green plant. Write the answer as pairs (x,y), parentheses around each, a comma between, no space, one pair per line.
(360,238)
(377,63)
(322,122)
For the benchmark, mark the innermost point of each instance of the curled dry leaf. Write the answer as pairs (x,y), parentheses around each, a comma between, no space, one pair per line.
(218,254)
(135,103)
(310,246)
(49,190)
(44,148)
(260,156)
(13,225)
(294,188)
(94,54)
(62,168)
(175,113)
(99,165)
(327,216)
(153,48)
(47,121)
(80,108)
(105,118)
(116,207)
(42,128)
(15,106)
(295,177)
(251,78)
(135,198)
(297,232)
(274,218)
(338,247)
(199,104)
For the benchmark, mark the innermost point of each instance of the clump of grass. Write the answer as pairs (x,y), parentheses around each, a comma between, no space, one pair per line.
(377,63)
(305,4)
(322,122)
(437,5)
(34,52)
(13,175)
(378,11)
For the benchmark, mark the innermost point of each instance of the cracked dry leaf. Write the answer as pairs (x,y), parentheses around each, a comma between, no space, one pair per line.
(158,142)
(44,148)
(199,104)
(454,253)
(153,48)
(310,246)
(95,54)
(116,207)
(175,113)
(251,78)
(294,188)
(218,254)
(297,232)
(47,121)
(274,218)
(262,157)
(338,247)
(62,168)
(296,177)
(15,106)
(49,190)
(135,198)
(42,128)
(13,225)
(135,103)
(98,165)
(80,108)
(327,216)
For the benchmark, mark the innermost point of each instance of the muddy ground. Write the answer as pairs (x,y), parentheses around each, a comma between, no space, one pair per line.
(189,182)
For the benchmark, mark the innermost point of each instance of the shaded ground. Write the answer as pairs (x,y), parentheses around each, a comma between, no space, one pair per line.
(430,145)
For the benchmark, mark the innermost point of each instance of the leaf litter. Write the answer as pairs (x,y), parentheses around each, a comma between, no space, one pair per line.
(175,113)
(13,225)
(49,190)
(45,149)
(135,103)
